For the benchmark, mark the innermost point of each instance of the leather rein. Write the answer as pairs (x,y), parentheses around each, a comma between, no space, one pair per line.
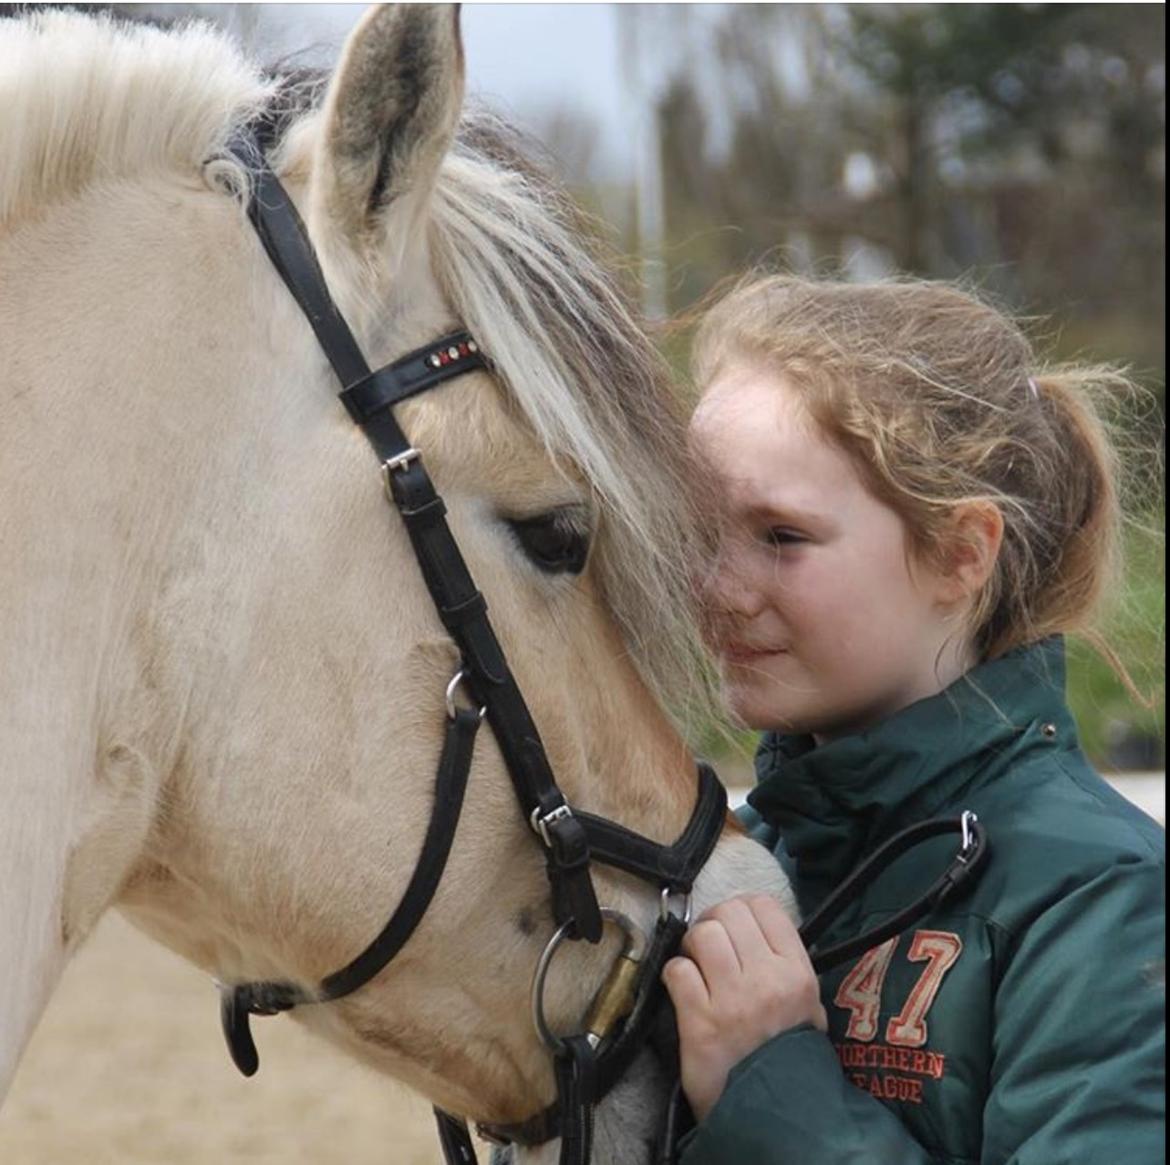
(630,1010)
(588,1064)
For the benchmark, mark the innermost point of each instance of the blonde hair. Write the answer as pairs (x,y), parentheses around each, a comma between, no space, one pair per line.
(940,400)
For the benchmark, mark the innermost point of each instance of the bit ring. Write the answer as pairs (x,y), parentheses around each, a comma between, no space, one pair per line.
(634,949)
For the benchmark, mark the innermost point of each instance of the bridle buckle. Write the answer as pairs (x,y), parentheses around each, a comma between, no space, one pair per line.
(398,461)
(541,823)
(664,905)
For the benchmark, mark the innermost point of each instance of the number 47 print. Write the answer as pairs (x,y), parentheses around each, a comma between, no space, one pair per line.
(860,992)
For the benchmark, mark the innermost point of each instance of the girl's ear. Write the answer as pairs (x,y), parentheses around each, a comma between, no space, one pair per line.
(973,542)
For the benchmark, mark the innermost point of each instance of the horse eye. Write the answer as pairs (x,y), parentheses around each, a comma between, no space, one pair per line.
(555,542)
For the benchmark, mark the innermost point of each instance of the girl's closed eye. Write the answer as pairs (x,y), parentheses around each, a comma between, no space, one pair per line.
(783,536)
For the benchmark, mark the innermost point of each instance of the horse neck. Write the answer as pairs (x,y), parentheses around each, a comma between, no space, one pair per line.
(104,424)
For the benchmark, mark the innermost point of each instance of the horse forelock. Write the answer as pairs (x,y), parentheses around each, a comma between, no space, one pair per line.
(89,99)
(519,266)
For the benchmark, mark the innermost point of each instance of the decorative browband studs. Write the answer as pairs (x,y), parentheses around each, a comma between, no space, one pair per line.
(453,354)
(441,359)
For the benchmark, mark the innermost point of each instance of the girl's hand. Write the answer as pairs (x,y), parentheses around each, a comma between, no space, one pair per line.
(743,977)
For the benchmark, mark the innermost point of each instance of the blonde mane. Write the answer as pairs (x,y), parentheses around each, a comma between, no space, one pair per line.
(89,100)
(92,101)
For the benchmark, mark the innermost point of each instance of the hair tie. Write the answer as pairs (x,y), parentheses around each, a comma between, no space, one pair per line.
(1033,389)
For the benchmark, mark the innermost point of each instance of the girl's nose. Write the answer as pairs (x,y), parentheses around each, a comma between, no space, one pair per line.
(729,588)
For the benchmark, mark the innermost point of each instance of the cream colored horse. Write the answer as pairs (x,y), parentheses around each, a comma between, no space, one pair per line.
(221,677)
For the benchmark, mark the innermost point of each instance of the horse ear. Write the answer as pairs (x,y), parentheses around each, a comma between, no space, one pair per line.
(388,120)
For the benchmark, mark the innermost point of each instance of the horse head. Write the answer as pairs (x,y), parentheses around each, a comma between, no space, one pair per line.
(225,693)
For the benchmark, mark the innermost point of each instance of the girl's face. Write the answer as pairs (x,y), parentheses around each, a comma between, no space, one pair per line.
(821,622)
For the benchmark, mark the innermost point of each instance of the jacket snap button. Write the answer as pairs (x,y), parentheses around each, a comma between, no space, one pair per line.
(1048,729)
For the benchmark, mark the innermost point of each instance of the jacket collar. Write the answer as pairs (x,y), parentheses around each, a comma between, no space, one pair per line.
(834,803)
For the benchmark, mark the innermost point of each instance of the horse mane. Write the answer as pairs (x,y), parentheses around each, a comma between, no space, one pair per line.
(90,100)
(86,99)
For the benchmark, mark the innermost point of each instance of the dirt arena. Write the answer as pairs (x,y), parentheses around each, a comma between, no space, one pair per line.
(128,1067)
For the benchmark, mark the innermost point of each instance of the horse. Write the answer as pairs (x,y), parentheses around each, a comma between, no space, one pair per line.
(222,680)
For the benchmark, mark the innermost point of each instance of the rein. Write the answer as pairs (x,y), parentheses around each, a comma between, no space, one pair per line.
(586,1065)
(963,868)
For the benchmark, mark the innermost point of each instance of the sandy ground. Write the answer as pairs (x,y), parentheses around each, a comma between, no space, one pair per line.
(128,1067)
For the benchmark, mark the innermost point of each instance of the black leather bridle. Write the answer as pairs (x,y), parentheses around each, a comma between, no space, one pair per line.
(588,1064)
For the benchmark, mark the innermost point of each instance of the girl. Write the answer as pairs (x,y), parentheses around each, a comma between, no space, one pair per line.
(917,513)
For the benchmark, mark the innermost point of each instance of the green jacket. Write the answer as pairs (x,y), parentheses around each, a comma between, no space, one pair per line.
(1022,1023)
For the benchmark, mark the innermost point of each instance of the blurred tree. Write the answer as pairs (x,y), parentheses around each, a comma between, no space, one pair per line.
(1021,143)
(1048,113)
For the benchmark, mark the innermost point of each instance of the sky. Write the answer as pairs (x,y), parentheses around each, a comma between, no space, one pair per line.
(522,59)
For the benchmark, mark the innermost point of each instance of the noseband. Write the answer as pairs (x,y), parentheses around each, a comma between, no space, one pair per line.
(588,1064)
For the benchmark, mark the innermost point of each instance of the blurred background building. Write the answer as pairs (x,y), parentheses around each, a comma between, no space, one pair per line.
(1018,146)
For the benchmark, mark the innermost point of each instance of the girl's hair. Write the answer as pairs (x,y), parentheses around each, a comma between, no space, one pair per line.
(940,399)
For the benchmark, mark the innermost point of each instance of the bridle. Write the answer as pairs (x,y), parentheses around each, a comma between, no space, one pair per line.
(630,1006)
(587,1064)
